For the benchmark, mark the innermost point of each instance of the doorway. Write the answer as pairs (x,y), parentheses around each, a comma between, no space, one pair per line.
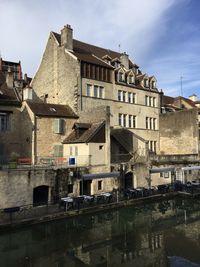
(128,180)
(85,187)
(40,195)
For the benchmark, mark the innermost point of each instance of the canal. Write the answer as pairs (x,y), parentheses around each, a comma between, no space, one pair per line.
(146,235)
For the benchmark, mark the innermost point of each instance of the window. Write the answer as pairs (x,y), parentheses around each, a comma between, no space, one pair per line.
(119,95)
(146,100)
(120,119)
(154,124)
(124,96)
(95,91)
(147,123)
(134,98)
(88,90)
(154,146)
(70,188)
(130,97)
(76,151)
(131,79)
(101,92)
(146,83)
(134,121)
(4,121)
(125,120)
(130,120)
(151,146)
(100,185)
(59,126)
(150,123)
(153,84)
(154,102)
(150,98)
(121,76)
(58,151)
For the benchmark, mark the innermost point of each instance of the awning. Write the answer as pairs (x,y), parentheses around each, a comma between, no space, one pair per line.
(100,175)
(158,170)
(190,168)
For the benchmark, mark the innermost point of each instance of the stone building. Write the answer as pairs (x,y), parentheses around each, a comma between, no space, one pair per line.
(10,138)
(45,127)
(179,140)
(85,76)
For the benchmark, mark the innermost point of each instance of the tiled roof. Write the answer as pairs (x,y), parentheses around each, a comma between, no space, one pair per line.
(51,110)
(83,50)
(176,101)
(85,135)
(168,100)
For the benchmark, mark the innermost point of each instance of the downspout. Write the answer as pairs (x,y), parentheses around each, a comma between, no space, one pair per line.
(81,89)
(34,140)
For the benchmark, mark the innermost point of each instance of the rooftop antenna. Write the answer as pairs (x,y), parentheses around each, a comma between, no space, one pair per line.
(119,47)
(181,80)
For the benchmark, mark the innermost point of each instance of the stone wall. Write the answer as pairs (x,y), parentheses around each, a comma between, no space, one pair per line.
(179,132)
(58,75)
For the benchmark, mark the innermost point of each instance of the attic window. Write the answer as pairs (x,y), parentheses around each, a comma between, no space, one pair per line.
(52,109)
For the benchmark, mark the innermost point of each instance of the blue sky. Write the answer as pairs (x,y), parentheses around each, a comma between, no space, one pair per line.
(161,36)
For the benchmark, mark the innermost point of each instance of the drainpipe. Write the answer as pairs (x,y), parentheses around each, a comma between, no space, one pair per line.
(34,141)
(81,89)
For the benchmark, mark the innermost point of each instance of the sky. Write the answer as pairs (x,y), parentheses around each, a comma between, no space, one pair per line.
(161,36)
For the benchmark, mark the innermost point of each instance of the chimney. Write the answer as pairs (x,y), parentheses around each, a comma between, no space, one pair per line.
(9,78)
(67,37)
(193,97)
(124,60)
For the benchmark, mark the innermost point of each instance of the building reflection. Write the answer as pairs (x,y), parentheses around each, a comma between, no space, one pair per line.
(135,236)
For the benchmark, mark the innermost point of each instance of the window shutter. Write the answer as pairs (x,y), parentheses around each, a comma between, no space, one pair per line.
(58,126)
(58,151)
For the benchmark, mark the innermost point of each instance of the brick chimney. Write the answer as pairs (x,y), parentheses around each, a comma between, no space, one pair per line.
(67,37)
(124,60)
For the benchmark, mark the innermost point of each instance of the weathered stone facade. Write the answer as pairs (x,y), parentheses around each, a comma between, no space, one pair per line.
(179,132)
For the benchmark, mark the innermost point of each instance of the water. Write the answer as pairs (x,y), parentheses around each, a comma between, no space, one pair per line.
(135,236)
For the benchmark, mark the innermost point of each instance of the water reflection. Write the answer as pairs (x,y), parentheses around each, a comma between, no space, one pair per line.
(134,236)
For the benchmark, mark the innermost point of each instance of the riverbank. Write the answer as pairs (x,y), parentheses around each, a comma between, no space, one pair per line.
(93,209)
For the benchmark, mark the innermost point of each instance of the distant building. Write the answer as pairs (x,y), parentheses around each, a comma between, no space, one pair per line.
(14,67)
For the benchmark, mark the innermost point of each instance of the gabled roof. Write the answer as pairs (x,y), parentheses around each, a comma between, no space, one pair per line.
(88,133)
(51,110)
(83,50)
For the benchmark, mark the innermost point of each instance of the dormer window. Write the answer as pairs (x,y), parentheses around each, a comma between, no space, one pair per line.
(131,79)
(121,76)
(153,84)
(116,62)
(146,83)
(107,59)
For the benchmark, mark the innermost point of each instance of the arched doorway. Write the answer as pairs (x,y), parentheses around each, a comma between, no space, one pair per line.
(40,195)
(128,180)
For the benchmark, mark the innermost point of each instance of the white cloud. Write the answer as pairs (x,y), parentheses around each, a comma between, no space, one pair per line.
(25,25)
